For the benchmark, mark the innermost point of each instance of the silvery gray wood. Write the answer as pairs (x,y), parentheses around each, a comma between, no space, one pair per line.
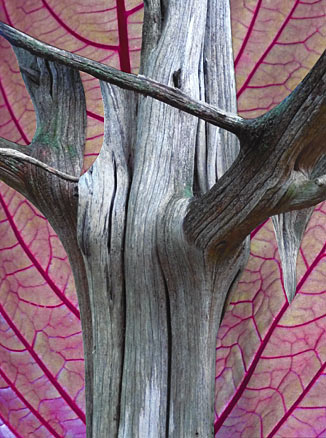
(289,229)
(162,178)
(164,212)
(103,195)
(15,155)
(221,146)
(175,303)
(272,173)
(139,83)
(58,98)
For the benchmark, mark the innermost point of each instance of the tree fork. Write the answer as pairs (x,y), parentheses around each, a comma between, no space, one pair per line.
(158,239)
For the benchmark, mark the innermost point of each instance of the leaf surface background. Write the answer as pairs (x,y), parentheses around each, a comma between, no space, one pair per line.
(270,356)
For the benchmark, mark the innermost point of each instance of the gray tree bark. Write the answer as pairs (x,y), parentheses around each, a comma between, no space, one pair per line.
(156,230)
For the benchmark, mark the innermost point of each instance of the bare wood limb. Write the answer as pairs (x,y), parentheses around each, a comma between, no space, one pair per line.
(273,172)
(289,229)
(21,158)
(12,171)
(289,226)
(103,197)
(148,87)
(306,193)
(59,101)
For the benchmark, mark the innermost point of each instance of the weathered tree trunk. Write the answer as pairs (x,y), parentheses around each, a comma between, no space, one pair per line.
(156,300)
(159,239)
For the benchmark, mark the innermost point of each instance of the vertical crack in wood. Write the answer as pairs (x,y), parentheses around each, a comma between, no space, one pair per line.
(111,212)
(176,78)
(101,232)
(169,353)
(220,90)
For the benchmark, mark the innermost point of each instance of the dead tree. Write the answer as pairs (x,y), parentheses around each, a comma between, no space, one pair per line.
(156,230)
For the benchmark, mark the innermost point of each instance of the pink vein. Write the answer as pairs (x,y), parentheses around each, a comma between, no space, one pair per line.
(248,34)
(135,9)
(297,402)
(251,74)
(250,371)
(75,34)
(6,423)
(45,370)
(29,406)
(6,13)
(13,115)
(303,324)
(35,262)
(95,116)
(123,36)
(234,400)
(253,233)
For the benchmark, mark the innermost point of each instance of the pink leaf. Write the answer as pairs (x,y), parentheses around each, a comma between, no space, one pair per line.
(275,44)
(41,355)
(271,356)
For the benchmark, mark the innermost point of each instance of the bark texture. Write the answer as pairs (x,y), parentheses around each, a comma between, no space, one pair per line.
(58,98)
(160,236)
(174,293)
(103,201)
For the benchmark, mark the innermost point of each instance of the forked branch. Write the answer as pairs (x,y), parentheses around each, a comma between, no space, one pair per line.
(20,158)
(171,96)
(12,171)
(275,171)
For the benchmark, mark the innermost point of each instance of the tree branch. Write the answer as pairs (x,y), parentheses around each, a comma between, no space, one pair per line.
(275,171)
(12,171)
(58,97)
(19,157)
(140,84)
(306,193)
(58,143)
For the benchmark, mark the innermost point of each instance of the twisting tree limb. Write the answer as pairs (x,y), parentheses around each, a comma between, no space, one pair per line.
(306,192)
(58,143)
(12,172)
(21,158)
(275,171)
(162,295)
(140,84)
